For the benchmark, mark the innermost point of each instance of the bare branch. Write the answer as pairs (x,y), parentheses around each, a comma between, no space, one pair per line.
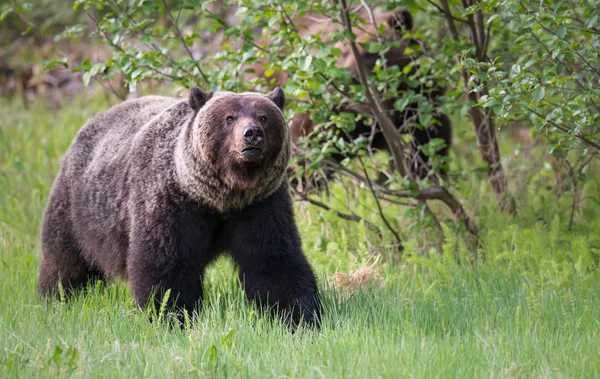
(385,221)
(345,216)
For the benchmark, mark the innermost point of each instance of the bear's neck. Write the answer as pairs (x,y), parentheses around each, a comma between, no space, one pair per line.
(205,185)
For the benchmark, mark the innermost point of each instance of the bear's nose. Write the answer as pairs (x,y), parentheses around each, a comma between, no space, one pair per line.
(253,134)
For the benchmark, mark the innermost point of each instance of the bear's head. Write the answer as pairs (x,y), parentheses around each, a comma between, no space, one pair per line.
(239,144)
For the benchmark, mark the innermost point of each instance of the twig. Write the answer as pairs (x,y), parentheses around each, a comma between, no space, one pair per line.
(343,92)
(445,13)
(385,221)
(345,216)
(373,22)
(565,129)
(151,45)
(111,89)
(180,36)
(104,33)
(21,16)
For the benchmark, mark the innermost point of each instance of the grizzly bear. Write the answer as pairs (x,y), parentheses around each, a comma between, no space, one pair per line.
(153,189)
(396,23)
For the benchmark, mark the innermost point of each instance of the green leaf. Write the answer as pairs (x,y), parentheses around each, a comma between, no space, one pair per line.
(491,19)
(96,68)
(269,72)
(497,108)
(85,65)
(539,93)
(591,21)
(5,13)
(86,78)
(307,62)
(562,31)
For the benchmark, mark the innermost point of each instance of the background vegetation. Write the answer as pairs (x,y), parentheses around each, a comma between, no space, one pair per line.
(528,306)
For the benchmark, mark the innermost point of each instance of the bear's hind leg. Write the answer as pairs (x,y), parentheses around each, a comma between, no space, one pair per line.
(62,260)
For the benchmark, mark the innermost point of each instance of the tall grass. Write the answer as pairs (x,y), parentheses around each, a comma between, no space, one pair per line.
(531,309)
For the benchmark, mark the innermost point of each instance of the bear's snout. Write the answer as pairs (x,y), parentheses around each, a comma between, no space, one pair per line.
(253,138)
(253,135)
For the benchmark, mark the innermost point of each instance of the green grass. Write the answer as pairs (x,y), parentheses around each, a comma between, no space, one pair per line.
(531,309)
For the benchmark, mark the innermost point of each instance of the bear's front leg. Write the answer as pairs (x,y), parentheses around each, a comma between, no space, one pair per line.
(170,251)
(265,243)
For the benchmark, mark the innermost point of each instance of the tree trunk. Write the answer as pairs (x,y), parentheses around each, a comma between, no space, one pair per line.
(485,129)
(483,120)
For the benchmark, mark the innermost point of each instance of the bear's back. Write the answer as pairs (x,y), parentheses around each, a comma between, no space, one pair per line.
(109,135)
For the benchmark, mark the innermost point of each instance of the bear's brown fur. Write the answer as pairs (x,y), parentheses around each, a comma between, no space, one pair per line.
(154,188)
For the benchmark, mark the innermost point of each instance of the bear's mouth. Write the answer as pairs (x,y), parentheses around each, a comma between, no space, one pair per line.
(252,154)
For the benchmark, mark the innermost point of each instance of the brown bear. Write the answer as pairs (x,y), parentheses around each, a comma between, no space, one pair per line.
(396,23)
(155,188)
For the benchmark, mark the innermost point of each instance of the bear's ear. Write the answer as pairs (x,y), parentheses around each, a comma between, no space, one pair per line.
(277,97)
(198,98)
(400,19)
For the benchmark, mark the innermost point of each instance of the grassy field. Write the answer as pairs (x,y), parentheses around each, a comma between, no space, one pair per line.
(532,309)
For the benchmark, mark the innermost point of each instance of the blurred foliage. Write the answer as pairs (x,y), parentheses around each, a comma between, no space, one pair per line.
(36,19)
(552,79)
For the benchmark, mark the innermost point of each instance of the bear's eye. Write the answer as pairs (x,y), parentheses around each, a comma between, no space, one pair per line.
(229,119)
(262,118)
